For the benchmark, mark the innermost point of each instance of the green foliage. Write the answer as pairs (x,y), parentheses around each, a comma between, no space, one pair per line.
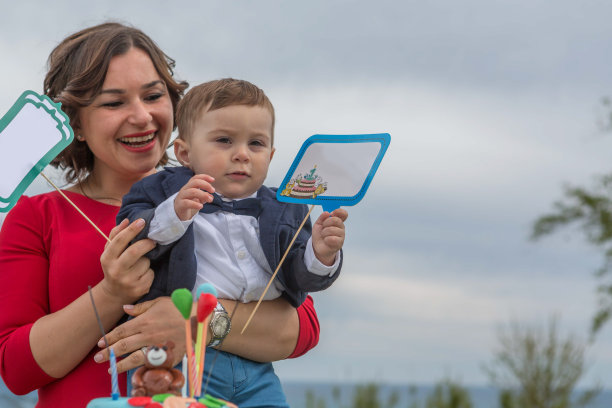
(366,396)
(537,369)
(448,394)
(313,402)
(591,210)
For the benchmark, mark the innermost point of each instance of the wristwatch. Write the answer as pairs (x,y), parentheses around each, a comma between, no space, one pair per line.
(220,325)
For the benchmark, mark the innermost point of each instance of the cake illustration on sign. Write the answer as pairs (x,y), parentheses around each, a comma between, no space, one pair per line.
(308,186)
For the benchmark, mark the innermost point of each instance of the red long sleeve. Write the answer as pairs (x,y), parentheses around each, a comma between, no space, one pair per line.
(48,256)
(308,337)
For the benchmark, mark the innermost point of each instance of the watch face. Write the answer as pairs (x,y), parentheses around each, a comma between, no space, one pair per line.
(220,326)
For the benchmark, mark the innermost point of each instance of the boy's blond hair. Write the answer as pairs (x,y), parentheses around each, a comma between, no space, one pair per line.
(215,95)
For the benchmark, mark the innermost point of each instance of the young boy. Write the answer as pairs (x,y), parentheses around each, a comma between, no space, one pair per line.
(225,144)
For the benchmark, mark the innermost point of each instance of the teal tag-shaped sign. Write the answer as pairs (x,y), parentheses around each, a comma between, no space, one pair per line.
(32,133)
(333,170)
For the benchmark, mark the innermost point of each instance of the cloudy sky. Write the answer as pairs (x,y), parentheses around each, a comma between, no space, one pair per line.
(491,105)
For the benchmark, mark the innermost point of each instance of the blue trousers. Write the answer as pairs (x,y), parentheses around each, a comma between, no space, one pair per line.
(246,383)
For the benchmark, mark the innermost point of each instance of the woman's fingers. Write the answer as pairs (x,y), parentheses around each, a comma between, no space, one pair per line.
(155,322)
(140,308)
(122,225)
(135,359)
(121,239)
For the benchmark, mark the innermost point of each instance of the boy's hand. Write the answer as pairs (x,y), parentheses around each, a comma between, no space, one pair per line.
(192,197)
(328,235)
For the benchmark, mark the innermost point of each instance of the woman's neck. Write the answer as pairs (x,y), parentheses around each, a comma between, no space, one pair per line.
(104,187)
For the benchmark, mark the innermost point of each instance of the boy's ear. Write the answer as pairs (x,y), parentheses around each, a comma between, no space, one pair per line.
(272,153)
(181,151)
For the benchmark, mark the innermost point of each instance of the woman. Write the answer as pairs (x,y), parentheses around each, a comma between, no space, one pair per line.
(118,89)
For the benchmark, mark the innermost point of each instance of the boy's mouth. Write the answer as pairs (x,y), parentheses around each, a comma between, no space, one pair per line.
(238,175)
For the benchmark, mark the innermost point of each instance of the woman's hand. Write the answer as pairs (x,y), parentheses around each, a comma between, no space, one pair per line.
(127,275)
(154,322)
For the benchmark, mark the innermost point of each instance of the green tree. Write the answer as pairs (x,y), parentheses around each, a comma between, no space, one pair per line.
(590,208)
(535,368)
(448,394)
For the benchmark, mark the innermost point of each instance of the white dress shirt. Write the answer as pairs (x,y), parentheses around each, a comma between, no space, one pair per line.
(228,252)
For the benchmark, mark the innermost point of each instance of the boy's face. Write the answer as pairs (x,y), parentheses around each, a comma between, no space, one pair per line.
(231,144)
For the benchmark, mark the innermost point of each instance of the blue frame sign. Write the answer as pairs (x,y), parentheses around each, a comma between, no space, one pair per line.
(333,170)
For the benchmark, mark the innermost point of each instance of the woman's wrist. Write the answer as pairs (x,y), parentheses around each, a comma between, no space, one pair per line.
(106,294)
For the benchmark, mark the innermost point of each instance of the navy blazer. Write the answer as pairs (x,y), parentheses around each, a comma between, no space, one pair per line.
(175,264)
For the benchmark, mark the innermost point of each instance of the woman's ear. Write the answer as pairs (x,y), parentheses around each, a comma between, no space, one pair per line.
(181,151)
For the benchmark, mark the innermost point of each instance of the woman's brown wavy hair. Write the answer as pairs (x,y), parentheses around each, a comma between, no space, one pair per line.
(77,69)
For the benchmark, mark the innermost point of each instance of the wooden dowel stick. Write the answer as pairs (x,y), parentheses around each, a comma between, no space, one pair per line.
(277,269)
(74,205)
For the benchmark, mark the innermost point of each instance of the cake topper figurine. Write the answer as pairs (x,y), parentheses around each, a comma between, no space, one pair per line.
(331,171)
(157,375)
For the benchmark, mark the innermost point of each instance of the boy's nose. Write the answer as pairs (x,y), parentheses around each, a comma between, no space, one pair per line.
(241,153)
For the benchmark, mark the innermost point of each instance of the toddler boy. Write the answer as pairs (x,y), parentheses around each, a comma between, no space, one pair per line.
(215,222)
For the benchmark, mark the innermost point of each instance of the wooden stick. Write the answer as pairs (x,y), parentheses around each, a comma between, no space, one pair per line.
(277,269)
(74,205)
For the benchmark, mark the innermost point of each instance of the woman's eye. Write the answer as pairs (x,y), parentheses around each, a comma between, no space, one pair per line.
(154,97)
(112,104)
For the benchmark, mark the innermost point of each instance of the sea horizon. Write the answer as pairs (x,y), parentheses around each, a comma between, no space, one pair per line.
(340,394)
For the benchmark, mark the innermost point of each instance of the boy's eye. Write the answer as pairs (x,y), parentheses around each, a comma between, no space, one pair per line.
(257,143)
(223,140)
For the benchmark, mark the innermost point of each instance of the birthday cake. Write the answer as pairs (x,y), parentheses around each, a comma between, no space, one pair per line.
(157,384)
(305,186)
(159,401)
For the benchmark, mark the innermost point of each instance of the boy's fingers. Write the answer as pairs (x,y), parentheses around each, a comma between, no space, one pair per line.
(204,177)
(324,215)
(201,183)
(340,213)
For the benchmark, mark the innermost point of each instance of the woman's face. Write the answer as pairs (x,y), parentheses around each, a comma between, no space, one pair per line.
(128,125)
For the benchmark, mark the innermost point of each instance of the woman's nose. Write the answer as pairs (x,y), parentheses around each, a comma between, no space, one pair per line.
(139,114)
